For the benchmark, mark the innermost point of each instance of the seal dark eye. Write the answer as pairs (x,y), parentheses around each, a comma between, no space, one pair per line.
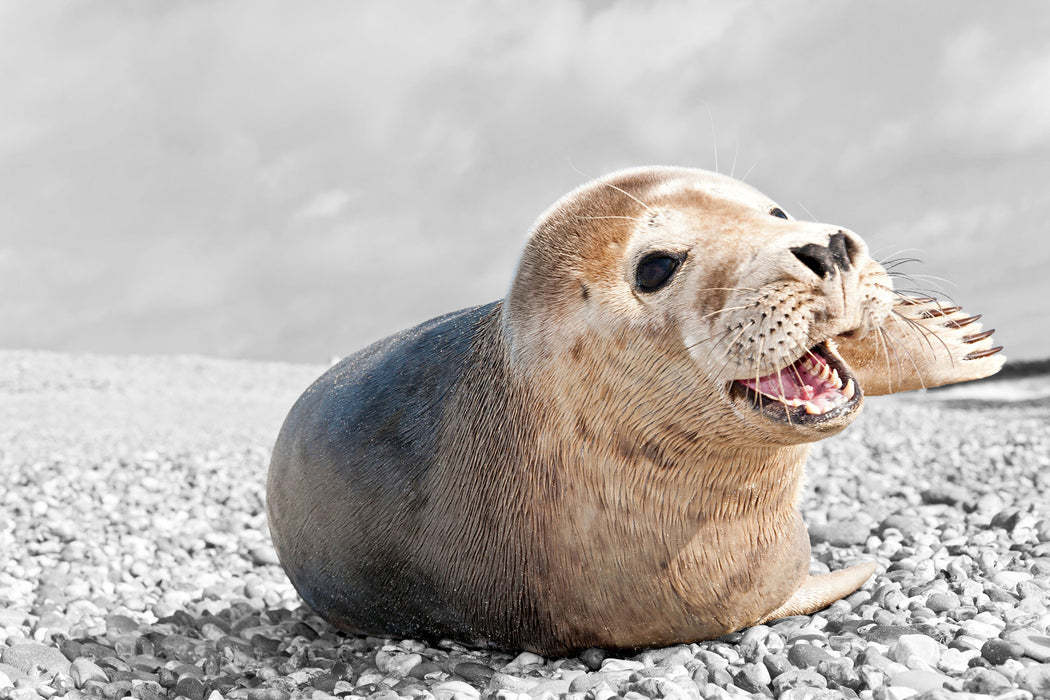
(778,212)
(655,270)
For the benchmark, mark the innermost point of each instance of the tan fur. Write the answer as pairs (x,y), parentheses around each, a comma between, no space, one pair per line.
(597,482)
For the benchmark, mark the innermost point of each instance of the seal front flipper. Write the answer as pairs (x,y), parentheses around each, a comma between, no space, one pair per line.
(920,344)
(818,592)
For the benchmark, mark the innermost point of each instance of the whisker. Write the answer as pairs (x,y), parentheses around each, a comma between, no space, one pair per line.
(744,178)
(727,289)
(926,335)
(886,353)
(626,194)
(911,359)
(716,337)
(714,137)
(893,264)
(722,311)
(595,218)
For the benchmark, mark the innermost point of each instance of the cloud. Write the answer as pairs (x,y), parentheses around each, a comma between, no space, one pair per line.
(285,179)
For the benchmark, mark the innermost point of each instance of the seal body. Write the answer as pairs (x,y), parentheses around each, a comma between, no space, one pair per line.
(612,455)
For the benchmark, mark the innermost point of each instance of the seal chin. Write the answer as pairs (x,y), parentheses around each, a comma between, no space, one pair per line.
(816,388)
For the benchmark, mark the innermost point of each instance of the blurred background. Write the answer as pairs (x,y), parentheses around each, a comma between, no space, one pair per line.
(282,180)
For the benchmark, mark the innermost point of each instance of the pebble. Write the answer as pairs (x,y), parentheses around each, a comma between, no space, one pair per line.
(455,690)
(987,682)
(1035,679)
(947,494)
(807,693)
(839,533)
(916,651)
(887,634)
(396,663)
(908,525)
(997,651)
(25,657)
(83,670)
(190,686)
(806,655)
(592,658)
(776,664)
(798,677)
(752,677)
(473,672)
(1035,645)
(424,669)
(956,661)
(269,694)
(942,602)
(919,680)
(264,556)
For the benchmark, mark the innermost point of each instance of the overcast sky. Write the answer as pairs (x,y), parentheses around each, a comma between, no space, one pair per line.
(289,180)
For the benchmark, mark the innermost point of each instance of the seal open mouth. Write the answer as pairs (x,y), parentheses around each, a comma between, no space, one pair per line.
(816,386)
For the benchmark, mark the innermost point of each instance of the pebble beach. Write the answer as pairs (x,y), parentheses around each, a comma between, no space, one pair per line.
(135,559)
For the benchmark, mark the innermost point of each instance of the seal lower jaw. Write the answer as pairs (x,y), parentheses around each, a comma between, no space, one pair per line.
(816,388)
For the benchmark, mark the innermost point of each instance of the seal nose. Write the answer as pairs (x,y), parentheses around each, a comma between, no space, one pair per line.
(838,254)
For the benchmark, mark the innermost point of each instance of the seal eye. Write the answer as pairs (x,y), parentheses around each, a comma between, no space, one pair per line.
(655,270)
(778,212)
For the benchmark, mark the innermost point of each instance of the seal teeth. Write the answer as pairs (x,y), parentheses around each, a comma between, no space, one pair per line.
(848,391)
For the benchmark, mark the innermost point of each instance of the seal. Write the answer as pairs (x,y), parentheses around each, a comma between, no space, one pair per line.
(612,455)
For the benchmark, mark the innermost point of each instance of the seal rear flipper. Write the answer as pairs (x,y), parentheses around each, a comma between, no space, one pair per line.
(818,592)
(920,344)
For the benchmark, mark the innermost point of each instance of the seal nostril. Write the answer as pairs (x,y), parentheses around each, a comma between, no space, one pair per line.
(852,249)
(842,249)
(816,257)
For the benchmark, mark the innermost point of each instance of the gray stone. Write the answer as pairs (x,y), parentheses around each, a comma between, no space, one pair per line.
(916,651)
(887,634)
(83,670)
(1035,645)
(776,664)
(264,556)
(396,663)
(946,493)
(26,656)
(798,677)
(807,655)
(592,658)
(942,602)
(473,672)
(987,682)
(839,533)
(920,680)
(752,677)
(996,651)
(1035,679)
(908,525)
(586,682)
(190,686)
(807,693)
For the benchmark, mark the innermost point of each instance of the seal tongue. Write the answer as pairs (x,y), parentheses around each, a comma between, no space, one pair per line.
(809,382)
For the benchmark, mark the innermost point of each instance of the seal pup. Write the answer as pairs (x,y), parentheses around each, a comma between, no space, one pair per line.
(612,455)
